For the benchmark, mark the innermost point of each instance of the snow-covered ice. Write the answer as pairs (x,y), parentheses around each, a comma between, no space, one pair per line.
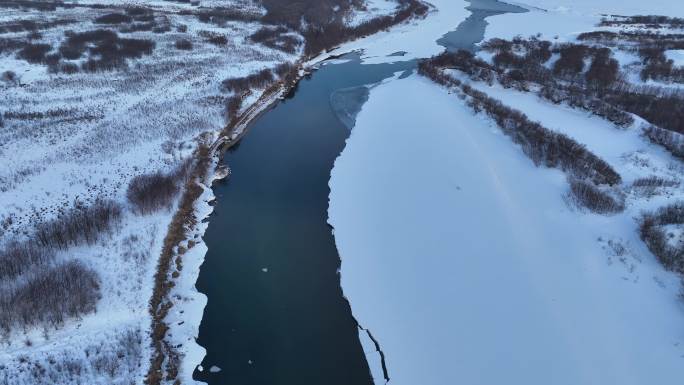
(467,265)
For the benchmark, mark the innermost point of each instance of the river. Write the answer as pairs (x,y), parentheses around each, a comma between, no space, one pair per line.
(276,314)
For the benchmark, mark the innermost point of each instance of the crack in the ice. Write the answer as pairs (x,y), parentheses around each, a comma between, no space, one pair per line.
(385,374)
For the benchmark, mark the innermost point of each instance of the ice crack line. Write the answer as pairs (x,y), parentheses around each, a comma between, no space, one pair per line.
(385,374)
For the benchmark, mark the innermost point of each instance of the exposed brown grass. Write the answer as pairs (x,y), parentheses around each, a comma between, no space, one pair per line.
(160,303)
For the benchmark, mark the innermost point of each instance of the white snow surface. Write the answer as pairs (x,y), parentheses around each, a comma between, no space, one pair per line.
(468,266)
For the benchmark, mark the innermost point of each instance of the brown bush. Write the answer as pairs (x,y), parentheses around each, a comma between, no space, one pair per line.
(49,296)
(276,38)
(18,257)
(653,234)
(113,18)
(34,53)
(598,200)
(257,80)
(150,192)
(571,61)
(80,225)
(183,44)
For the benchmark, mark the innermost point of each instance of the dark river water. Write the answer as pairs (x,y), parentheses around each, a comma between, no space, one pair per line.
(276,314)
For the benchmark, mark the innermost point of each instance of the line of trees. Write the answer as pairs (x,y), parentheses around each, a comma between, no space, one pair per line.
(600,89)
(256,80)
(567,82)
(541,145)
(650,21)
(322,22)
(321,37)
(672,141)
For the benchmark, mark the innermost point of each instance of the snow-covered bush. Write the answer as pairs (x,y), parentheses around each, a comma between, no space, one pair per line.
(78,226)
(18,257)
(183,44)
(150,192)
(113,361)
(598,200)
(653,233)
(672,141)
(256,80)
(49,295)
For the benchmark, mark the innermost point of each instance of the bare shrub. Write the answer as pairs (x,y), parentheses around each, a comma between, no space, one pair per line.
(17,257)
(276,38)
(113,18)
(219,15)
(106,50)
(80,225)
(9,77)
(571,61)
(655,181)
(183,44)
(650,21)
(322,22)
(257,80)
(672,141)
(326,36)
(603,70)
(665,109)
(150,192)
(653,234)
(50,296)
(287,72)
(233,106)
(214,38)
(651,185)
(34,53)
(9,45)
(598,200)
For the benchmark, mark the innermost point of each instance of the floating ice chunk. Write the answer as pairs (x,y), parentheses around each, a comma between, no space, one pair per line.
(264,269)
(200,368)
(214,369)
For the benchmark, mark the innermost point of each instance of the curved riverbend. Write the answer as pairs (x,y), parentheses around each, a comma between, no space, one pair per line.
(276,313)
